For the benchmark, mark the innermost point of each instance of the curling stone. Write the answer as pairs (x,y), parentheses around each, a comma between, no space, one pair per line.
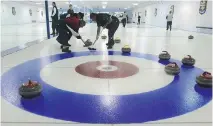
(191,37)
(126,49)
(103,36)
(30,89)
(204,79)
(87,43)
(117,40)
(188,60)
(164,55)
(172,68)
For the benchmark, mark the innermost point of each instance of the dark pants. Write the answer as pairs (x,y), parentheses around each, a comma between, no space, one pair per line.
(139,21)
(55,25)
(64,34)
(169,24)
(123,22)
(112,27)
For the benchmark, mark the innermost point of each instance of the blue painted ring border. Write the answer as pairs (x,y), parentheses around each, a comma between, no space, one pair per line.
(181,96)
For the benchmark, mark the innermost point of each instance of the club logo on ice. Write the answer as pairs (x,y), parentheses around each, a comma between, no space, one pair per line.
(203,6)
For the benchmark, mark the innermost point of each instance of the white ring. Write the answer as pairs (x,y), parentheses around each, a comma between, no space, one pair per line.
(62,75)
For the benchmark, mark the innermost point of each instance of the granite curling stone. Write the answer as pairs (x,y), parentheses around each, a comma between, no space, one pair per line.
(126,49)
(164,55)
(172,69)
(188,60)
(87,43)
(117,40)
(191,37)
(30,89)
(103,36)
(204,79)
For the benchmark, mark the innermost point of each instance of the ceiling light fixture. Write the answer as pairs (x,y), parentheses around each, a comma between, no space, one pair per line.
(38,3)
(104,2)
(68,2)
(135,4)
(103,7)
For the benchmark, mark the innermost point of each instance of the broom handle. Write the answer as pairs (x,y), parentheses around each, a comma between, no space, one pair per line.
(101,31)
(83,41)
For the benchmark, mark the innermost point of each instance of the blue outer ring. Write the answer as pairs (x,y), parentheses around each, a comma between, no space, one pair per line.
(181,96)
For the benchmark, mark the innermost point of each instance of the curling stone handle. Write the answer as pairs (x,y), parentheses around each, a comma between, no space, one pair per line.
(206,73)
(174,63)
(189,56)
(30,82)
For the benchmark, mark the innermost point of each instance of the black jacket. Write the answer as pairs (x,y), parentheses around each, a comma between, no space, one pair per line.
(55,17)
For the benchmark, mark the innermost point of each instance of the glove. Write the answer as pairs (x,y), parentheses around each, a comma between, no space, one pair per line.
(78,37)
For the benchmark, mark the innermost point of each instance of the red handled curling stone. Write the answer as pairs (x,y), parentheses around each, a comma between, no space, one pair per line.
(172,69)
(188,60)
(205,79)
(30,89)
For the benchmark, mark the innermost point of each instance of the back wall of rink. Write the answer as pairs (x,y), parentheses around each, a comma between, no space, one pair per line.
(186,15)
(115,11)
(16,13)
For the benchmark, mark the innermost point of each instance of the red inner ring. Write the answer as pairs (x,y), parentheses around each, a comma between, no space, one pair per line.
(90,69)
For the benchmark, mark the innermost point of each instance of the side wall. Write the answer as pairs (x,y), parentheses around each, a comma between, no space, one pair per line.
(186,15)
(22,13)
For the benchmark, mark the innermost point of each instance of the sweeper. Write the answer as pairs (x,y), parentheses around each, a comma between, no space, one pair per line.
(67,28)
(106,21)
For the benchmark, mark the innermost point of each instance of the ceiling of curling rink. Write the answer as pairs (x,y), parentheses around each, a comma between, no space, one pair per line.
(93,4)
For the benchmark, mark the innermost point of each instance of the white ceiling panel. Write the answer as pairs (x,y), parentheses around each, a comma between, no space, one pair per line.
(91,4)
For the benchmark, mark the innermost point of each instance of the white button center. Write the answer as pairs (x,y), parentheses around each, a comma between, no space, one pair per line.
(107,68)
